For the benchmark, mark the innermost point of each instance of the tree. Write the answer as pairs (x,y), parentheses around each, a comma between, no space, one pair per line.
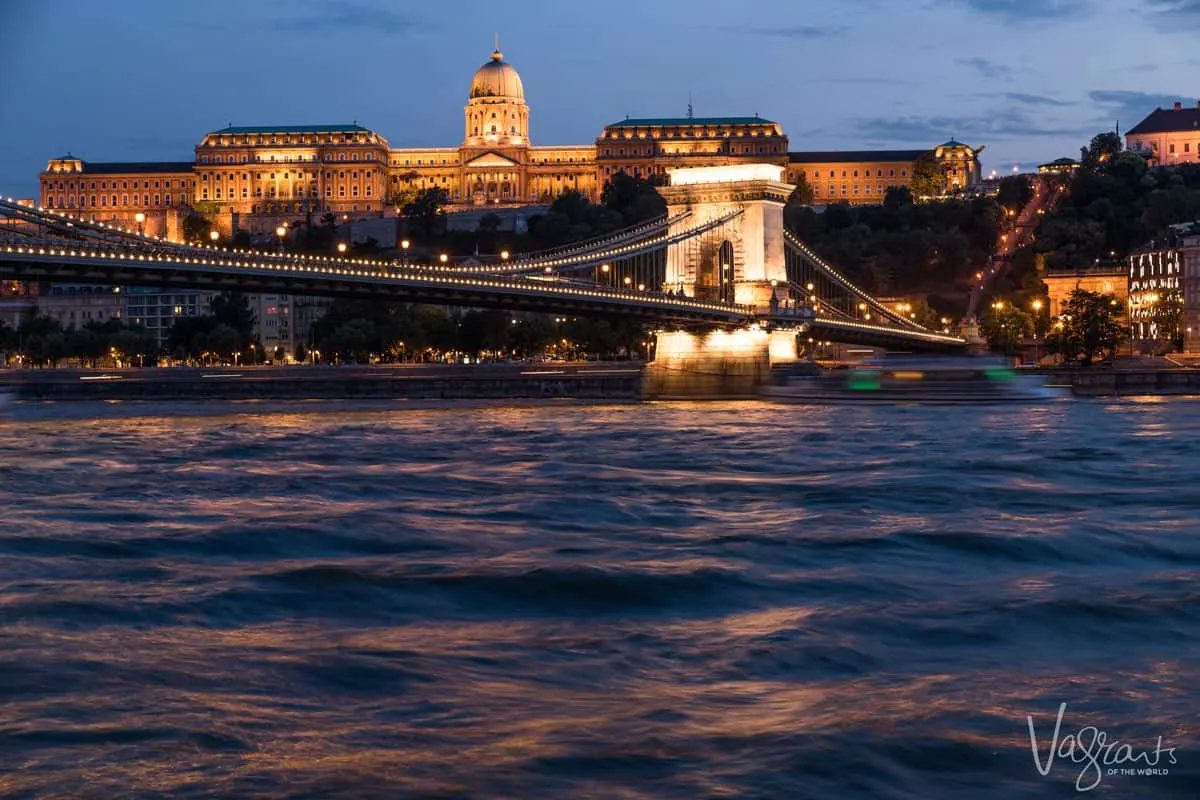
(135,343)
(1102,147)
(407,193)
(1090,325)
(1005,326)
(897,197)
(427,211)
(196,228)
(1014,193)
(928,179)
(233,309)
(803,194)
(301,353)
(634,198)
(224,340)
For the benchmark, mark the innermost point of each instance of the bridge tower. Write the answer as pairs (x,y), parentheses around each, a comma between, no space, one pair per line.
(743,260)
(740,261)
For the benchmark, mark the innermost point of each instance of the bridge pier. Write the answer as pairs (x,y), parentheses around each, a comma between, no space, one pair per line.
(719,365)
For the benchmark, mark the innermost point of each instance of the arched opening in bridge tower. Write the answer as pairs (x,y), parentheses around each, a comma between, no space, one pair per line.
(714,274)
(725,259)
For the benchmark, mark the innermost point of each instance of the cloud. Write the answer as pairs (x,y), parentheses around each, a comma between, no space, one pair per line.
(865,81)
(319,18)
(1009,124)
(1171,15)
(346,15)
(1020,11)
(1131,106)
(797,31)
(1035,99)
(986,68)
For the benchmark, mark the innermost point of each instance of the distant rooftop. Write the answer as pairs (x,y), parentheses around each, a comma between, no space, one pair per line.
(135,167)
(853,156)
(1168,120)
(236,129)
(687,121)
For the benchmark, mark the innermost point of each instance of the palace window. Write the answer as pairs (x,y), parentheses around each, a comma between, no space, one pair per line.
(891,173)
(903,173)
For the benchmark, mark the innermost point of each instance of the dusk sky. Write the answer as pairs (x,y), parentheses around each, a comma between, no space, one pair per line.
(144,79)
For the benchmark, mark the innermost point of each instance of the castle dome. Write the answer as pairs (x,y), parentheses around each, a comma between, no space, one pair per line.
(497,79)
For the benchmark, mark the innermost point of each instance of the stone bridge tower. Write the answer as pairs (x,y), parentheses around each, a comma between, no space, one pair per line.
(741,261)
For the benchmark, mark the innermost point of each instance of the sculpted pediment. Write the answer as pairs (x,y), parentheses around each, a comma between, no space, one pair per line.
(492,160)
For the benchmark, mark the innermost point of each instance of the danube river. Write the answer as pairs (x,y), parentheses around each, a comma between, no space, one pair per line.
(571,601)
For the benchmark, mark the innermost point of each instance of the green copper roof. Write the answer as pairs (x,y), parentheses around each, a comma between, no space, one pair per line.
(295,129)
(954,143)
(683,121)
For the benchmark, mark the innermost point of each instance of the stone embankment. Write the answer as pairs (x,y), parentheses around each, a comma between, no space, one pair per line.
(593,381)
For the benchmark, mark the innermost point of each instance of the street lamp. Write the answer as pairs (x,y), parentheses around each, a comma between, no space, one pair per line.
(1037,324)
(443,258)
(281,232)
(213,236)
(341,247)
(404,244)
(628,280)
(504,255)
(141,219)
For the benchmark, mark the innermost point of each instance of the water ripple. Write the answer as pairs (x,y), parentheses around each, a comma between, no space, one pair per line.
(666,600)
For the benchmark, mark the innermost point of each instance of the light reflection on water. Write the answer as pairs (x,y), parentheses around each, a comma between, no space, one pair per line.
(661,600)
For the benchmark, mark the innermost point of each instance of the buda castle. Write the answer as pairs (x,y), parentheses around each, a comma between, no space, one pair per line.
(254,178)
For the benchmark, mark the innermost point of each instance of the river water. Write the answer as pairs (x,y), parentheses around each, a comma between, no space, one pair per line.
(567,601)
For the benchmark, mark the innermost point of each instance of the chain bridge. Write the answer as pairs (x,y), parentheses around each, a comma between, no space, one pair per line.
(719,264)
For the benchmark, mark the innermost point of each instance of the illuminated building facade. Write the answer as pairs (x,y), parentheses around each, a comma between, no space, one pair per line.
(1154,286)
(1167,136)
(1190,265)
(1101,279)
(253,178)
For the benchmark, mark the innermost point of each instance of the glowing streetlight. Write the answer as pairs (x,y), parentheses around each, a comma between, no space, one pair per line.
(140,218)
(213,236)
(404,245)
(443,258)
(504,255)
(281,232)
(628,280)
(341,247)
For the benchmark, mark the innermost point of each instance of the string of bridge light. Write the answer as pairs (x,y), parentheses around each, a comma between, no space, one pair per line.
(548,268)
(72,220)
(417,277)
